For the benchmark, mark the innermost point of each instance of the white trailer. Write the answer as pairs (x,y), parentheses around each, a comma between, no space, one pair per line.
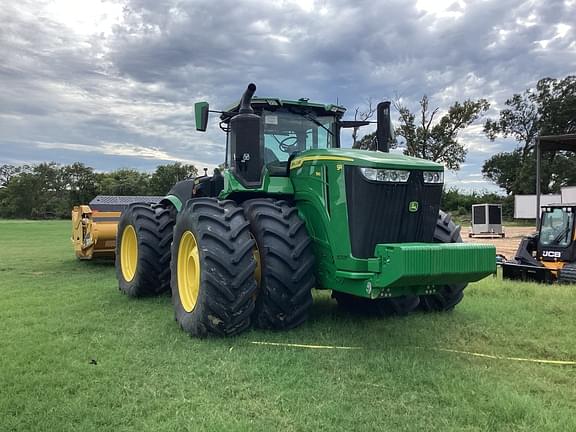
(525,205)
(568,194)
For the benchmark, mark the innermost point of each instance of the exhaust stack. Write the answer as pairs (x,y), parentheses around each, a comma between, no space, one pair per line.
(384,128)
(245,150)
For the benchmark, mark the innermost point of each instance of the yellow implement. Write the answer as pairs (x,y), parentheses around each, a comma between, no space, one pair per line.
(94,226)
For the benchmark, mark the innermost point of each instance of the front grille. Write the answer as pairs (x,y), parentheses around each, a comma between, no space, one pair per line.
(379,212)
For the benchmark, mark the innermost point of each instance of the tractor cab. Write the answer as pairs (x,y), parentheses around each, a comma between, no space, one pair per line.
(286,128)
(263,135)
(556,239)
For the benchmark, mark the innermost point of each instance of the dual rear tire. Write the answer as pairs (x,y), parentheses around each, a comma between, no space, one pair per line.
(143,249)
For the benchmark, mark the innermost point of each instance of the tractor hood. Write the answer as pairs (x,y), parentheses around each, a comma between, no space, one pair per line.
(365,158)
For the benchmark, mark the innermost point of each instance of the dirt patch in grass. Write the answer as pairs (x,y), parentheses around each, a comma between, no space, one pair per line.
(506,246)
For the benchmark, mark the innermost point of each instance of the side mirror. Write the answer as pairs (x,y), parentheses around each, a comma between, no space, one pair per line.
(201,115)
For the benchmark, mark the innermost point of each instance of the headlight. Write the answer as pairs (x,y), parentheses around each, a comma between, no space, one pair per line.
(433,177)
(385,175)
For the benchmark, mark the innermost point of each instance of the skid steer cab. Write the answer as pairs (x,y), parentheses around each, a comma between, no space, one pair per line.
(290,210)
(550,254)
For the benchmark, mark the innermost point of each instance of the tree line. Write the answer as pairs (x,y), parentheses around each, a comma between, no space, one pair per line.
(51,190)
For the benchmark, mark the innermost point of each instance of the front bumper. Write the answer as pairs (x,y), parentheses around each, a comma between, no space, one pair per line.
(418,269)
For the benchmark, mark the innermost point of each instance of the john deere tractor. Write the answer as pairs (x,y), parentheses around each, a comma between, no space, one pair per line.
(292,211)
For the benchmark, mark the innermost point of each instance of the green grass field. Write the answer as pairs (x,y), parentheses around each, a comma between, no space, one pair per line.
(76,354)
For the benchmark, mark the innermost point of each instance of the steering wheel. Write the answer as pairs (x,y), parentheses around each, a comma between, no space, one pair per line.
(288,148)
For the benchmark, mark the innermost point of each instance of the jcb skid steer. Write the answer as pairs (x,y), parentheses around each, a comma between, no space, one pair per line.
(550,254)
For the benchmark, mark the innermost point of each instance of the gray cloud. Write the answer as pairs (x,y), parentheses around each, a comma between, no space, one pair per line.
(123,97)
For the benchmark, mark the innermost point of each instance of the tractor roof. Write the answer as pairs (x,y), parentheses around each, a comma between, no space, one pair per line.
(559,205)
(558,142)
(274,103)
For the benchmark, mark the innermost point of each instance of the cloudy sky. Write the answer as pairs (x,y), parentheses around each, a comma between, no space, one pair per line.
(111,83)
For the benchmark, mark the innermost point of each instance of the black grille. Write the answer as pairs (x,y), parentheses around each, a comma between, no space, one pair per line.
(379,212)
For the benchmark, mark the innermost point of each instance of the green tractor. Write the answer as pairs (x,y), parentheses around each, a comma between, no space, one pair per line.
(292,211)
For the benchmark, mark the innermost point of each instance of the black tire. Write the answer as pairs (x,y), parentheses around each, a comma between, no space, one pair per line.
(152,226)
(225,299)
(396,306)
(447,296)
(287,264)
(567,274)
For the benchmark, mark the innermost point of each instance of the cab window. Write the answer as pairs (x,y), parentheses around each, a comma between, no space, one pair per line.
(289,132)
(556,228)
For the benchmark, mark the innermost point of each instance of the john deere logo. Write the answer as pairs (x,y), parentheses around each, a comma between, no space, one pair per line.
(413,206)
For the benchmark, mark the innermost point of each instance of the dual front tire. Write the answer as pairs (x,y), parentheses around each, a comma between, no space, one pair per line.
(212,269)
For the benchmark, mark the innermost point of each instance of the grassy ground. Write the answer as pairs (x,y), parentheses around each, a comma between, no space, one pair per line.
(77,355)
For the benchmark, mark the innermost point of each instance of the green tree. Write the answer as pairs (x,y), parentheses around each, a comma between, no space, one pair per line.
(437,139)
(501,169)
(19,197)
(549,109)
(34,192)
(367,142)
(166,176)
(80,182)
(123,181)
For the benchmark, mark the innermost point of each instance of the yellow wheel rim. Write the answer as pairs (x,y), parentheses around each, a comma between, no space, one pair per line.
(188,271)
(129,253)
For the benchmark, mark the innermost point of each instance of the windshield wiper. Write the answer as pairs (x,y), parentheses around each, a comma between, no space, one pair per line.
(313,120)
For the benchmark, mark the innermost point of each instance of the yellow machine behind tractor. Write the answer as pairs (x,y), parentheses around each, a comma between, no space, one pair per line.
(548,255)
(94,225)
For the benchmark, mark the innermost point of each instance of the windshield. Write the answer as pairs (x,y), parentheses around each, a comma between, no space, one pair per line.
(287,132)
(556,228)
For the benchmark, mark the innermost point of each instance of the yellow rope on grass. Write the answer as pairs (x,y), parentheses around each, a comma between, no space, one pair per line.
(474,354)
(291,345)
(495,357)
